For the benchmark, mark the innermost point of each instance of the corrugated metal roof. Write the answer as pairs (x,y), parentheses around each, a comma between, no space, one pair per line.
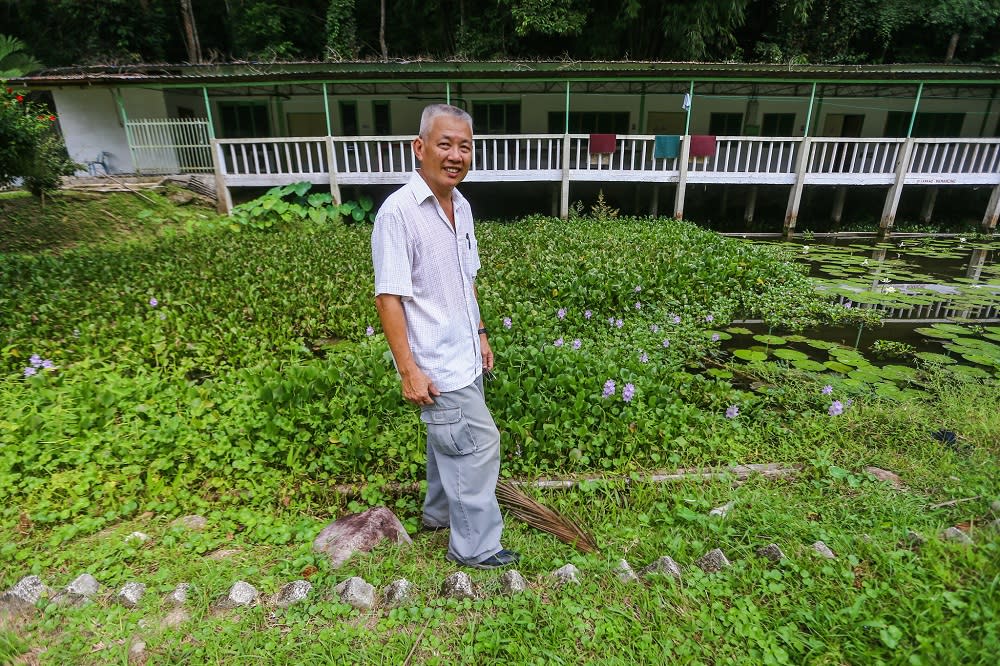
(416,70)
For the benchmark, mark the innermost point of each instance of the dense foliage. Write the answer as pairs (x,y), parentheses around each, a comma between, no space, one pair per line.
(30,148)
(779,31)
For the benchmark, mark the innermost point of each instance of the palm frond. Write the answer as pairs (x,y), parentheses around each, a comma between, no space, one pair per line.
(543,518)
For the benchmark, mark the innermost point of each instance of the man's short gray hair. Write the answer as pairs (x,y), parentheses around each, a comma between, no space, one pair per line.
(432,111)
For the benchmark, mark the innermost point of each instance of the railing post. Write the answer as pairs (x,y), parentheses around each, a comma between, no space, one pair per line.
(332,169)
(564,194)
(795,196)
(751,206)
(224,204)
(927,208)
(896,189)
(839,196)
(682,167)
(992,211)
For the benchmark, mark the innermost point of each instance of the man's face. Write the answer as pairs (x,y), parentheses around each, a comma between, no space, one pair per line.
(445,154)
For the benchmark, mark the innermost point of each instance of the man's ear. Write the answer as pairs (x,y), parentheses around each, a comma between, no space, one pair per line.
(418,148)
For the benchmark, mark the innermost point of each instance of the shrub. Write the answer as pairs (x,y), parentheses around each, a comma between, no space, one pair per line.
(30,147)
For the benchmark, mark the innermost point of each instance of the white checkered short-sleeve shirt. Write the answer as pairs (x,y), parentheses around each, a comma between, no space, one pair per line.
(419,257)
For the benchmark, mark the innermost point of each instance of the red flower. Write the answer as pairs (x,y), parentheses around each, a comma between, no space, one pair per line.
(20,98)
(10,90)
(52,118)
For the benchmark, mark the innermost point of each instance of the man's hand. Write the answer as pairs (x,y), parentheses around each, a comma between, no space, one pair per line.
(418,388)
(487,351)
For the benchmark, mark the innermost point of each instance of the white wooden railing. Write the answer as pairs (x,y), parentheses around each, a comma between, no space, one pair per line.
(161,146)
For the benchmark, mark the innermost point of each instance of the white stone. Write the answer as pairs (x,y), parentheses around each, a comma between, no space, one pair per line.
(663,566)
(137,653)
(85,585)
(567,574)
(26,592)
(356,592)
(721,511)
(458,586)
(823,550)
(292,593)
(191,522)
(957,535)
(772,552)
(141,537)
(397,592)
(175,618)
(179,596)
(130,594)
(240,594)
(625,573)
(512,582)
(713,561)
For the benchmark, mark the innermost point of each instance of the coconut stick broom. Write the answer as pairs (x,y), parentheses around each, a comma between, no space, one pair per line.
(543,518)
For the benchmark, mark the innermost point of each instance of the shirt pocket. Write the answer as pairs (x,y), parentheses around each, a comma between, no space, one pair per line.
(448,431)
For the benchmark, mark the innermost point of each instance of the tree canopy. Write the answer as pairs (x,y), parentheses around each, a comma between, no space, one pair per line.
(773,31)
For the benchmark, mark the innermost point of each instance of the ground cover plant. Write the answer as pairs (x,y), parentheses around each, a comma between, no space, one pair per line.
(241,376)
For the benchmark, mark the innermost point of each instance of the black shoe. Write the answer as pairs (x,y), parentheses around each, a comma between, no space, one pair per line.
(504,558)
(424,527)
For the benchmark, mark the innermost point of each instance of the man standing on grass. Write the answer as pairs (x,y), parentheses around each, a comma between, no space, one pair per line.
(426,259)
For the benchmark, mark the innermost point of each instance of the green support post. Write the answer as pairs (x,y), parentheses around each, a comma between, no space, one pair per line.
(567,109)
(208,113)
(916,105)
(120,102)
(326,110)
(687,121)
(447,92)
(809,112)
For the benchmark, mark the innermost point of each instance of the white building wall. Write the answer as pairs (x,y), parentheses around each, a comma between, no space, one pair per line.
(91,122)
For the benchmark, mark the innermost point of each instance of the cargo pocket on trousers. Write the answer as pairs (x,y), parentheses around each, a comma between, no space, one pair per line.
(448,432)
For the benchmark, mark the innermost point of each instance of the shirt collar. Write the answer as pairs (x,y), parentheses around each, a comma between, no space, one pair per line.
(421,191)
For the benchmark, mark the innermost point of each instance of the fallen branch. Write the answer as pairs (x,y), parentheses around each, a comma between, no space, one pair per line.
(953,502)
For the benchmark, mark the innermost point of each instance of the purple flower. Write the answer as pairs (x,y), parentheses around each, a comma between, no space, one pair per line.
(836,408)
(848,403)
(638,305)
(715,337)
(643,358)
(561,313)
(35,360)
(611,321)
(507,323)
(827,390)
(609,389)
(638,289)
(577,343)
(587,314)
(666,343)
(654,328)
(732,412)
(619,323)
(628,392)
(677,319)
(153,302)
(369,331)
(709,318)
(558,342)
(29,371)
(847,305)
(48,365)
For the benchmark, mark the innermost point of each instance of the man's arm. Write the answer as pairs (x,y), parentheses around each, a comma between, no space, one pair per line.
(417,386)
(484,343)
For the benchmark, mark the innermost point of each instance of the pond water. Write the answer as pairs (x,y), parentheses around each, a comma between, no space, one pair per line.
(939,299)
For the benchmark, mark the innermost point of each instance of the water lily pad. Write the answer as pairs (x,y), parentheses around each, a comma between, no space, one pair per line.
(968,371)
(992,336)
(722,335)
(809,364)
(849,357)
(749,355)
(902,373)
(935,333)
(981,359)
(993,329)
(720,373)
(770,339)
(796,338)
(931,357)
(868,374)
(821,344)
(950,328)
(852,384)
(888,390)
(739,330)
(790,354)
(838,367)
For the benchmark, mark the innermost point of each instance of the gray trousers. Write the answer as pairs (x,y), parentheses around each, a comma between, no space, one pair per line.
(463,462)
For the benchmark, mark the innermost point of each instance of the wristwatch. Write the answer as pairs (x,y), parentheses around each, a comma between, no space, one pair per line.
(482,331)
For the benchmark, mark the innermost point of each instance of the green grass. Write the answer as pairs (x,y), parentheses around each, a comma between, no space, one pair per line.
(257,391)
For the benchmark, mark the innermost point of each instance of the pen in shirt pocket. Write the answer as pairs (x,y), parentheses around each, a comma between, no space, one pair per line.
(468,240)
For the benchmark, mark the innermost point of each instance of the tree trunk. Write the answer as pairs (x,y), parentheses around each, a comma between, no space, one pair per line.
(952,45)
(381,32)
(191,42)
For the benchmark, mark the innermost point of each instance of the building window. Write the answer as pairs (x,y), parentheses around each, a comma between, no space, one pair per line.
(244,120)
(348,119)
(725,124)
(927,125)
(778,124)
(844,124)
(589,122)
(496,117)
(383,122)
